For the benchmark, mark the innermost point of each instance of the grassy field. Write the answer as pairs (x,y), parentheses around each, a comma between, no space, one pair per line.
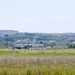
(37,62)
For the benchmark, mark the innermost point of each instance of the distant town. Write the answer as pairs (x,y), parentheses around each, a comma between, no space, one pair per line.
(15,39)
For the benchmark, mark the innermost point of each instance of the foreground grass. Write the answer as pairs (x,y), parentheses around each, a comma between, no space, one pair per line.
(31,62)
(37,70)
(16,52)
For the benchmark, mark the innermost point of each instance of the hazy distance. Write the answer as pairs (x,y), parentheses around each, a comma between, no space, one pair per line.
(46,16)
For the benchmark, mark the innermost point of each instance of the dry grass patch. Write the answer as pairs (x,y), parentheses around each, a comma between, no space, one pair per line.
(45,62)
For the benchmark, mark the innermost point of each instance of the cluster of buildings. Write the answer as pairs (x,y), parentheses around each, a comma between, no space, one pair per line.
(29,46)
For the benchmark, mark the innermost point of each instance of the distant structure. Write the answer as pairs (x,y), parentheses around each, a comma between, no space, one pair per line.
(29,46)
(37,47)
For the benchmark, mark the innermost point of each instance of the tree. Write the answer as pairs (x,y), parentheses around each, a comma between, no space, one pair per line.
(71,46)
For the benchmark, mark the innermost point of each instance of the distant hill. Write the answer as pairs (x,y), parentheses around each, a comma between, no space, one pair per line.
(48,39)
(8,32)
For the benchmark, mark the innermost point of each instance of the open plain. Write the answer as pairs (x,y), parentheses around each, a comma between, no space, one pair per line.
(37,62)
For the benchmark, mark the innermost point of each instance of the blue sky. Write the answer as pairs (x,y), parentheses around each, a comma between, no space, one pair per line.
(46,16)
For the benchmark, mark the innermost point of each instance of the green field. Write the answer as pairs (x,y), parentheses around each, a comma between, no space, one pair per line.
(37,62)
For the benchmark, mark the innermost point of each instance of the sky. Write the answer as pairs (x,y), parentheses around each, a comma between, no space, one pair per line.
(44,16)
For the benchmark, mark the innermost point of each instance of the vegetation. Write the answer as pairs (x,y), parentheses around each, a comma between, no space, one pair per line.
(10,37)
(71,46)
(57,59)
(37,62)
